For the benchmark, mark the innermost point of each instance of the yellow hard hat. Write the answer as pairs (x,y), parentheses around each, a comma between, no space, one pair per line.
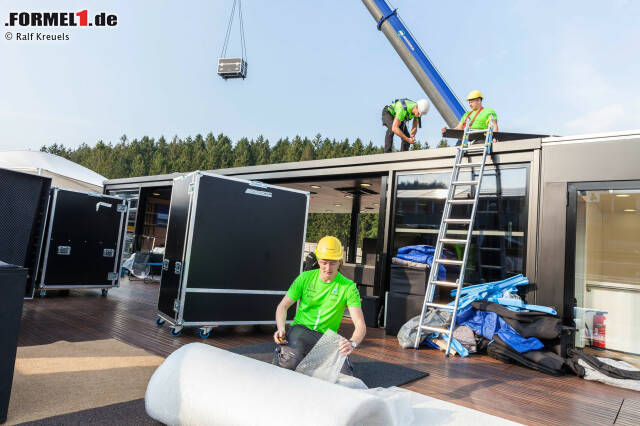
(474,94)
(329,248)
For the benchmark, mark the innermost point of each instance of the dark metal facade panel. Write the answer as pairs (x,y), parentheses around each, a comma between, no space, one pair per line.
(83,241)
(551,255)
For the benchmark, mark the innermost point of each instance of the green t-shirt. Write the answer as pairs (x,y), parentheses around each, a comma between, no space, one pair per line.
(480,122)
(402,114)
(322,304)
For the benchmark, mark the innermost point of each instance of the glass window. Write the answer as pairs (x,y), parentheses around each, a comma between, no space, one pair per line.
(498,244)
(607,271)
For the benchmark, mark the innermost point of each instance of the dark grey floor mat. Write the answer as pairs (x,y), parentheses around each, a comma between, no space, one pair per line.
(124,413)
(373,373)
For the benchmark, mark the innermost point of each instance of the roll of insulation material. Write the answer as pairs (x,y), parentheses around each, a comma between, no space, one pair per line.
(202,385)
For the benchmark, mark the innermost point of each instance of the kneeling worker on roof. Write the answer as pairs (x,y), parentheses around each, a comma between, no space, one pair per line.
(479,116)
(324,294)
(395,117)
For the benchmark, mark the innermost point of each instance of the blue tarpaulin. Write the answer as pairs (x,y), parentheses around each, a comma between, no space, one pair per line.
(421,254)
(487,324)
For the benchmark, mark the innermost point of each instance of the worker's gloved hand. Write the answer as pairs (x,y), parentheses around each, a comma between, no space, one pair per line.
(280,337)
(345,347)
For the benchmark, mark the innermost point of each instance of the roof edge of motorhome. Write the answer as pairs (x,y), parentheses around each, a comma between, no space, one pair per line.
(592,137)
(362,160)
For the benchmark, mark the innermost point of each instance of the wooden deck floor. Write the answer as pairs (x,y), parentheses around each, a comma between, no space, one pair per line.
(479,382)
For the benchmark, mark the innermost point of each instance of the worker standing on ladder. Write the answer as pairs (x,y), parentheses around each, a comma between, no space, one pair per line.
(395,117)
(479,116)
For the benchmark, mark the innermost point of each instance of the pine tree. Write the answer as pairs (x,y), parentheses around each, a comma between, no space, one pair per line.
(357,148)
(242,154)
(262,151)
(223,152)
(279,151)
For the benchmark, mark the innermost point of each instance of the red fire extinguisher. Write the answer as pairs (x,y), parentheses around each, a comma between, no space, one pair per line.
(599,330)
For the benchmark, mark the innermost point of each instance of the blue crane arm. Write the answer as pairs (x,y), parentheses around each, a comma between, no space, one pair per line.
(437,90)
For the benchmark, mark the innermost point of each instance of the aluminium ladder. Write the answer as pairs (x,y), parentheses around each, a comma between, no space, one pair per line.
(464,148)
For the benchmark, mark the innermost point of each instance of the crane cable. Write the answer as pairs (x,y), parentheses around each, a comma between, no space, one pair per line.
(226,39)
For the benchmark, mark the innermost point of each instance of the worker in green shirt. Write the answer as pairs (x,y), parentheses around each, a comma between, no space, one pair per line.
(395,117)
(479,116)
(323,294)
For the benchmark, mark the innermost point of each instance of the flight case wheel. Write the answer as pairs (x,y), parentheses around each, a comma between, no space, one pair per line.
(205,333)
(160,322)
(176,331)
(105,292)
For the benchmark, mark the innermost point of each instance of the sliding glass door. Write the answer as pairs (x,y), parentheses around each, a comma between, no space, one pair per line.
(603,265)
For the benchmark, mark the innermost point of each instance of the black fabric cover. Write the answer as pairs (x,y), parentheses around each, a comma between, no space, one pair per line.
(370,310)
(409,280)
(526,324)
(400,309)
(12,286)
(575,355)
(545,361)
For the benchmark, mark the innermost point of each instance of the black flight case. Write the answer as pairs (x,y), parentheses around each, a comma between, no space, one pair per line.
(233,249)
(23,207)
(83,241)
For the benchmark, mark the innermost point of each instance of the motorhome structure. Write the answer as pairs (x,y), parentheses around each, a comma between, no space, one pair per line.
(564,211)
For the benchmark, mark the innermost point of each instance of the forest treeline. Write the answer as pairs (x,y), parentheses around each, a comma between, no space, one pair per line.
(150,156)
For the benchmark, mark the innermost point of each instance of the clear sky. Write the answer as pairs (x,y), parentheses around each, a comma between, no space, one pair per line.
(551,67)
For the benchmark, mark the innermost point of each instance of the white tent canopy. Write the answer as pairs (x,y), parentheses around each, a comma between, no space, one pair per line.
(65,174)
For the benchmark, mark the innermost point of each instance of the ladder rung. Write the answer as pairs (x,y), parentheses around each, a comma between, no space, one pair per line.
(469,164)
(465,182)
(492,266)
(458,221)
(440,306)
(450,262)
(446,284)
(461,201)
(452,241)
(474,149)
(436,329)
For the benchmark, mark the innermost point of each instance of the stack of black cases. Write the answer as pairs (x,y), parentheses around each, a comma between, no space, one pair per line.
(233,249)
(407,288)
(23,207)
(83,241)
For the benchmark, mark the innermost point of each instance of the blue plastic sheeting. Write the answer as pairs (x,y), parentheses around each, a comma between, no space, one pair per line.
(486,291)
(421,254)
(488,324)
(519,304)
(457,346)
